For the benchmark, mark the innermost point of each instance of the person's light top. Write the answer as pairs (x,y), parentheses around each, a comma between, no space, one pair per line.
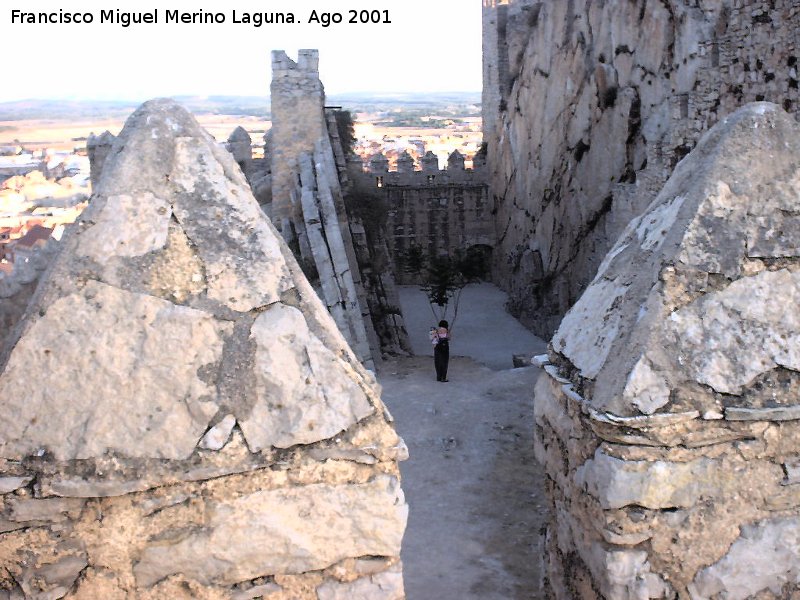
(440,333)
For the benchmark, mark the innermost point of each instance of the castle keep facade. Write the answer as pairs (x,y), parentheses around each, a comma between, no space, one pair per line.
(441,212)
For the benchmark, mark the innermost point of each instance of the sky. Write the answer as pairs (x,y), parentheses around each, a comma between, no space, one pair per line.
(429,46)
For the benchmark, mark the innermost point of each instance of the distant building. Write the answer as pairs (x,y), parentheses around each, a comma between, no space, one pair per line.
(20,164)
(10,150)
(24,247)
(441,211)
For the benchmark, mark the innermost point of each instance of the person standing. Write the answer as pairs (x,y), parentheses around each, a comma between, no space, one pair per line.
(440,338)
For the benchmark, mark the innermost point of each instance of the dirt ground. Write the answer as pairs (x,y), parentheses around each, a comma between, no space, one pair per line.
(473,486)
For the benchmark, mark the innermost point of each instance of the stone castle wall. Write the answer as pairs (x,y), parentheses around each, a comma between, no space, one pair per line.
(442,212)
(297,124)
(198,427)
(668,420)
(588,107)
(307,203)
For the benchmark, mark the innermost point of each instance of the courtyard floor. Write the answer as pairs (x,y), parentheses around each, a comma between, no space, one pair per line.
(474,489)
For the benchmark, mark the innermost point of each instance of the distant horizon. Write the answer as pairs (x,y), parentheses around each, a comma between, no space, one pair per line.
(363,93)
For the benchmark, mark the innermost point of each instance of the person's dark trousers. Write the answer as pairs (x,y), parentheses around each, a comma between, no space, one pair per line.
(441,356)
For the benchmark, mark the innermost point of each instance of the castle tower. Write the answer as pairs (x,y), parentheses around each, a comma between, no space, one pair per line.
(298,122)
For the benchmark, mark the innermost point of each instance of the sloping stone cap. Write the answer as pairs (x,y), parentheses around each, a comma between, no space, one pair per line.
(104,139)
(174,305)
(696,305)
(239,135)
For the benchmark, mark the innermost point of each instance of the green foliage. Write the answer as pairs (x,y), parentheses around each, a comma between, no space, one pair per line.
(446,276)
(473,264)
(444,280)
(371,209)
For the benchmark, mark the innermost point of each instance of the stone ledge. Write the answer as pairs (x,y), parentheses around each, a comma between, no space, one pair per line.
(776,413)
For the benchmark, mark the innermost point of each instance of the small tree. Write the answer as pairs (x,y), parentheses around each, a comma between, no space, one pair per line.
(444,282)
(446,278)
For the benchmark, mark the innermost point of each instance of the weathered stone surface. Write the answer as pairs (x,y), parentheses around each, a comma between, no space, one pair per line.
(664,332)
(147,401)
(626,574)
(765,557)
(383,586)
(24,510)
(659,484)
(195,421)
(53,580)
(302,396)
(9,484)
(276,532)
(258,591)
(778,413)
(586,339)
(112,234)
(676,434)
(729,338)
(792,472)
(588,107)
(216,437)
(244,267)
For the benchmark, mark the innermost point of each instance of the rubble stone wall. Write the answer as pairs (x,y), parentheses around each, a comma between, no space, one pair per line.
(307,203)
(440,211)
(588,106)
(668,421)
(18,286)
(197,426)
(298,123)
(98,147)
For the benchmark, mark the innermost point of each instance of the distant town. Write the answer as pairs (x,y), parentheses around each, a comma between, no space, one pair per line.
(44,168)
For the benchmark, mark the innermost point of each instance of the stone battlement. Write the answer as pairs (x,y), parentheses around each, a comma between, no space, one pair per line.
(307,63)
